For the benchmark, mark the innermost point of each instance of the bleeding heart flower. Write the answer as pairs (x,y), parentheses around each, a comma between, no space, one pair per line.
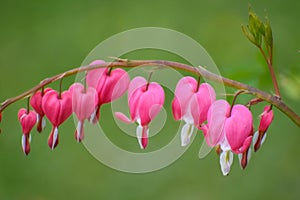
(216,117)
(191,104)
(145,102)
(57,109)
(36,103)
(231,130)
(84,104)
(109,84)
(239,129)
(27,121)
(266,119)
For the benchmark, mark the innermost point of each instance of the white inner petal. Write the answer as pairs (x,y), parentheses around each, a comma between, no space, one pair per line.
(43,123)
(226,159)
(55,135)
(79,128)
(225,145)
(188,117)
(23,141)
(255,137)
(186,134)
(249,154)
(263,139)
(92,117)
(240,156)
(37,118)
(139,130)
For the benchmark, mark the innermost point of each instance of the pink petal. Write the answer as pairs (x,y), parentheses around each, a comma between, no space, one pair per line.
(116,84)
(204,97)
(65,106)
(36,101)
(245,146)
(266,119)
(216,117)
(96,77)
(136,83)
(135,91)
(176,109)
(27,120)
(57,110)
(84,102)
(122,117)
(185,88)
(51,107)
(150,103)
(144,139)
(238,127)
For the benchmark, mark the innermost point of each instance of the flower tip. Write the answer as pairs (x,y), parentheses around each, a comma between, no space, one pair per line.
(226,159)
(244,158)
(256,146)
(144,142)
(94,118)
(53,138)
(184,142)
(79,132)
(186,134)
(26,144)
(122,117)
(142,134)
(41,124)
(258,140)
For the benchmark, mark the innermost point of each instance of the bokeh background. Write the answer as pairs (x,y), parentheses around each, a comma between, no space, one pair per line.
(41,38)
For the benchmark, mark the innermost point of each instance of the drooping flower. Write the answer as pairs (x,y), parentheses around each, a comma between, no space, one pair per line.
(57,109)
(232,130)
(239,128)
(27,121)
(36,103)
(266,119)
(214,129)
(145,101)
(85,101)
(191,104)
(109,84)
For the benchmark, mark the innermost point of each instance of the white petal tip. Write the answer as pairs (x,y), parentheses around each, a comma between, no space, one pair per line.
(226,159)
(186,134)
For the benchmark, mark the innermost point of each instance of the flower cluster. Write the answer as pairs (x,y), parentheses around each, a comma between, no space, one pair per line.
(229,128)
(226,127)
(102,86)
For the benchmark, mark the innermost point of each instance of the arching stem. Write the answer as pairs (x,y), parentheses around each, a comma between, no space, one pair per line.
(272,99)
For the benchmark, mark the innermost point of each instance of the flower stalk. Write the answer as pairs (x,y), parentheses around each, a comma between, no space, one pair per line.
(275,100)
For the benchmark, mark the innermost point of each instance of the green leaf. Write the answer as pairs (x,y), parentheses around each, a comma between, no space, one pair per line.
(249,35)
(268,37)
(256,28)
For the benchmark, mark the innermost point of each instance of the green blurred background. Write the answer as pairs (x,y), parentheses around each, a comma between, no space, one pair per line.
(41,38)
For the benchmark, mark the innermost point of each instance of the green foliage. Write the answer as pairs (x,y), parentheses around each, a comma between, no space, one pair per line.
(257,31)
